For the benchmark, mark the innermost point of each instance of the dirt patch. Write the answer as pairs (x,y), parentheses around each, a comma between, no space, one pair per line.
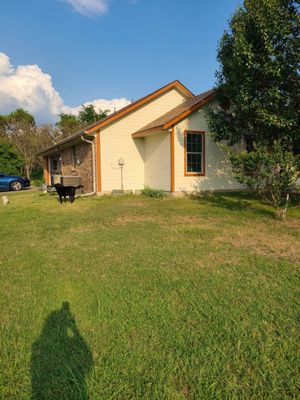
(187,220)
(133,204)
(83,229)
(270,240)
(129,219)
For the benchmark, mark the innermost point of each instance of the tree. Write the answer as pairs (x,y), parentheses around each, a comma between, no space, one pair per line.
(47,135)
(88,114)
(22,133)
(68,124)
(271,173)
(10,160)
(3,124)
(258,85)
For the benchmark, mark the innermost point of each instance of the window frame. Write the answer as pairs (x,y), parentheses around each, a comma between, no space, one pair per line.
(202,173)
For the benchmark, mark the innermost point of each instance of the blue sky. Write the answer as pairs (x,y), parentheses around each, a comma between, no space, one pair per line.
(111,49)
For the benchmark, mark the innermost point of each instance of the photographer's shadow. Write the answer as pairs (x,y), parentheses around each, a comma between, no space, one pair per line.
(60,359)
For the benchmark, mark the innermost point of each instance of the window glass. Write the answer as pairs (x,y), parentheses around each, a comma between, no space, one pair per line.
(194,152)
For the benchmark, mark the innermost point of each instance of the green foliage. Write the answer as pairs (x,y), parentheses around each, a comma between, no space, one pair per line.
(3,124)
(258,91)
(155,193)
(68,124)
(37,176)
(258,81)
(273,174)
(88,114)
(10,160)
(20,116)
(22,132)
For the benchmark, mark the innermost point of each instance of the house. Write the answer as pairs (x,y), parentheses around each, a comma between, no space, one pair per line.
(161,141)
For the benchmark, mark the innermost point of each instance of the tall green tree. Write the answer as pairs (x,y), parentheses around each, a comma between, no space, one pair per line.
(258,82)
(258,85)
(22,133)
(10,160)
(88,114)
(68,124)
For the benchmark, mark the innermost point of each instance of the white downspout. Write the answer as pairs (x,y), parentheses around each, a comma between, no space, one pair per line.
(94,169)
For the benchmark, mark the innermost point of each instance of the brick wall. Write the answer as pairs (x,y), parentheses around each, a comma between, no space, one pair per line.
(84,169)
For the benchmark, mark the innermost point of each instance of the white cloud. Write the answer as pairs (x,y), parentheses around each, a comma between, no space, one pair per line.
(89,7)
(28,87)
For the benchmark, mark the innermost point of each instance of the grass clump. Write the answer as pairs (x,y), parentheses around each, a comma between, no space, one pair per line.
(154,193)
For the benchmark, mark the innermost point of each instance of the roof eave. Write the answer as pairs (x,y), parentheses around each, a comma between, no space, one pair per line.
(147,132)
(64,143)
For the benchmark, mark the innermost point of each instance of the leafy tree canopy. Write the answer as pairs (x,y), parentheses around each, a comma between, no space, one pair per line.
(258,82)
(20,116)
(88,114)
(258,89)
(68,124)
(10,160)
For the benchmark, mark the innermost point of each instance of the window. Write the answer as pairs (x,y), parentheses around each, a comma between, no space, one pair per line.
(194,149)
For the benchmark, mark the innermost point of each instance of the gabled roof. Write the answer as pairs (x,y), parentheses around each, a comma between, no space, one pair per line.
(176,114)
(131,107)
(122,112)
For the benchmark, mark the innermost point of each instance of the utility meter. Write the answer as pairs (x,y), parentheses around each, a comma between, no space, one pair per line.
(121,162)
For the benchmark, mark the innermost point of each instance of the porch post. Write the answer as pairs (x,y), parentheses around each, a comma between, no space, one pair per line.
(46,170)
(98,163)
(172,158)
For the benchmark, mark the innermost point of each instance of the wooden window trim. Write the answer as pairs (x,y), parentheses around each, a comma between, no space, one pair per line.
(203,154)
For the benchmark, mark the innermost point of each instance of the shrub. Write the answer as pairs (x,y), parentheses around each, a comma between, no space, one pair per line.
(154,193)
(271,172)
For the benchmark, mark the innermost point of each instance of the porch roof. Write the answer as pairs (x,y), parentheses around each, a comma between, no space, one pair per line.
(67,142)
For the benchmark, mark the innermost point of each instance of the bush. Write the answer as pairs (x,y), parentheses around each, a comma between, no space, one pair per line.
(154,193)
(37,177)
(271,172)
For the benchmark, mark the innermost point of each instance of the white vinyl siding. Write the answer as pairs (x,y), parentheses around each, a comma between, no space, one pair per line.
(116,142)
(218,174)
(158,161)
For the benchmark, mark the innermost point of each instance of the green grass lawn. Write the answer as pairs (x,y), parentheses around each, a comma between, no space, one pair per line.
(138,298)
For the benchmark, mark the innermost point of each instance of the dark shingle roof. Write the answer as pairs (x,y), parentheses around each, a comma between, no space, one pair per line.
(186,106)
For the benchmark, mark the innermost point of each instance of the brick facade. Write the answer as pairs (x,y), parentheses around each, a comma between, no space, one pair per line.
(83,153)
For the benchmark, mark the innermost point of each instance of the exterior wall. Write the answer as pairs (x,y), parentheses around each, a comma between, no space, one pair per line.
(218,175)
(158,161)
(117,142)
(84,169)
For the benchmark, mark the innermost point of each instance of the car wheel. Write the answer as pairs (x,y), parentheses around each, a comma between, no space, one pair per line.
(15,186)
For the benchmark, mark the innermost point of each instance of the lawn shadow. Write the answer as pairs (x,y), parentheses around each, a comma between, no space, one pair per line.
(60,359)
(235,201)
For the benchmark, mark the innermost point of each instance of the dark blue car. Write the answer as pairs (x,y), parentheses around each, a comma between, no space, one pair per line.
(13,182)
